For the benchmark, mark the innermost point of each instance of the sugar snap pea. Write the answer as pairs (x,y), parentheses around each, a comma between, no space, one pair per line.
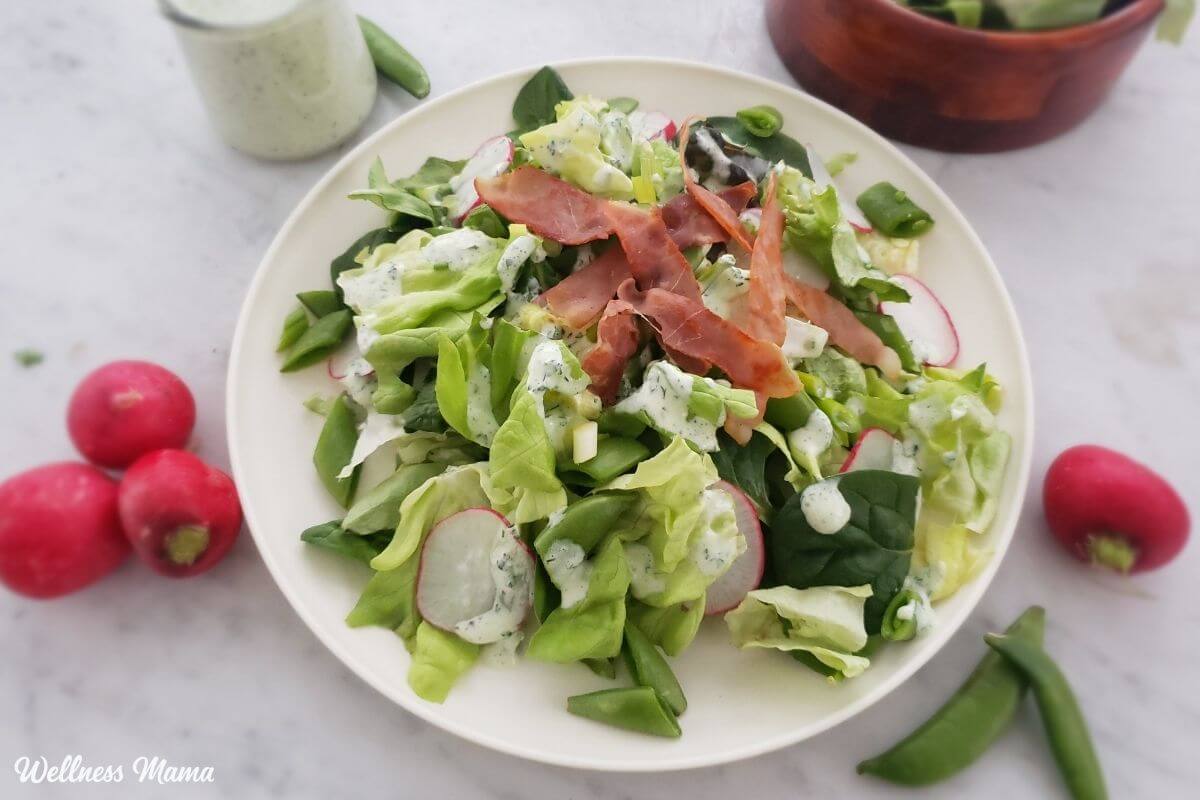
(379,508)
(334,448)
(393,60)
(892,212)
(294,326)
(318,341)
(961,730)
(638,709)
(1065,726)
(615,455)
(604,667)
(321,302)
(761,121)
(649,668)
(586,523)
(894,628)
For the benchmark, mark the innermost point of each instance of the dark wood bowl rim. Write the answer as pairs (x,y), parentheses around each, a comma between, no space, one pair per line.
(1105,28)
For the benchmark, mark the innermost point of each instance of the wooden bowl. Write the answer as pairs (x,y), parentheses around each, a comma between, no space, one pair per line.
(934,84)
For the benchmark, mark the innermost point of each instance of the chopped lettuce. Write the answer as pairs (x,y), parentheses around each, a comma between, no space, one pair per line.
(677,403)
(439,659)
(523,484)
(572,147)
(825,621)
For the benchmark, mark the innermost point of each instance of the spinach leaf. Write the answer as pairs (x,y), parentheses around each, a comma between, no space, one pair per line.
(534,106)
(330,536)
(423,414)
(886,329)
(391,197)
(777,147)
(434,172)
(745,466)
(874,547)
(349,259)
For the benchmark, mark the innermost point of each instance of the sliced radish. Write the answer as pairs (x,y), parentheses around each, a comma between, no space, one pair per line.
(745,574)
(924,322)
(476,576)
(651,125)
(822,177)
(492,158)
(875,449)
(804,270)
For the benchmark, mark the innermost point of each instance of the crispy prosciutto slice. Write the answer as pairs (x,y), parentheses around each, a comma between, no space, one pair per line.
(845,329)
(762,314)
(711,202)
(580,298)
(691,225)
(617,339)
(551,207)
(654,260)
(687,327)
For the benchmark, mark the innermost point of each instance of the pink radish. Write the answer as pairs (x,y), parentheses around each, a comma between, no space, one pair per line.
(128,408)
(821,176)
(491,159)
(651,125)
(924,322)
(475,577)
(875,449)
(745,574)
(59,530)
(181,515)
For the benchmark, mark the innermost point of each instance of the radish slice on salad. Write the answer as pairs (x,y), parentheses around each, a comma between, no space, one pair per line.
(924,322)
(745,574)
(650,125)
(822,177)
(875,449)
(475,577)
(493,158)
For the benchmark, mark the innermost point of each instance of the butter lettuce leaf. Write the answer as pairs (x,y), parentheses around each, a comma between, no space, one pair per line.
(439,659)
(593,627)
(524,486)
(456,489)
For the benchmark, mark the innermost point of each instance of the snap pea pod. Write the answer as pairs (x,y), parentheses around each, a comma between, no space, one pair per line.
(321,302)
(294,326)
(334,448)
(379,508)
(393,60)
(649,668)
(587,522)
(614,456)
(603,667)
(318,341)
(761,121)
(893,628)
(961,730)
(1066,729)
(637,709)
(892,212)
(790,413)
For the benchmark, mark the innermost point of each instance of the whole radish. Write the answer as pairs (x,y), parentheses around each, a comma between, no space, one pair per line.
(128,408)
(180,514)
(1108,509)
(59,529)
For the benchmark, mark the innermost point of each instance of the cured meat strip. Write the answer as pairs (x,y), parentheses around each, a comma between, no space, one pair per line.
(766,301)
(581,297)
(717,208)
(550,207)
(654,260)
(845,329)
(617,339)
(691,225)
(686,326)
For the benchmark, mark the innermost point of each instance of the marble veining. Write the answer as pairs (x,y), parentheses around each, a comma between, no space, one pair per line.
(130,230)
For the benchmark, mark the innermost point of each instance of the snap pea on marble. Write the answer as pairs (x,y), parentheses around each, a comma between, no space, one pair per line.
(294,326)
(960,731)
(335,446)
(649,668)
(318,341)
(1066,728)
(892,213)
(638,709)
(393,60)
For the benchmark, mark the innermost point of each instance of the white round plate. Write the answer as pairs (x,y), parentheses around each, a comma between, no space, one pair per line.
(740,703)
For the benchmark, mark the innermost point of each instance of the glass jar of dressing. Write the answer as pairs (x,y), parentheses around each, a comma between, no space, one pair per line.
(280,78)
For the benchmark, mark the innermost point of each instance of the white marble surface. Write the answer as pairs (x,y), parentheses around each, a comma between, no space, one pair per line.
(130,230)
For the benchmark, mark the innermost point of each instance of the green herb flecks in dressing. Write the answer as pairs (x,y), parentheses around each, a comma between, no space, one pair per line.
(810,441)
(824,508)
(711,550)
(645,579)
(569,570)
(512,574)
(802,340)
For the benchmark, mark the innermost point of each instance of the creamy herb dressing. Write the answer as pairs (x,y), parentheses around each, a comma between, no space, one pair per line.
(751,219)
(480,417)
(712,551)
(548,371)
(503,652)
(516,253)
(824,508)
(458,250)
(664,398)
(728,285)
(722,165)
(367,289)
(802,340)
(616,140)
(645,579)
(280,78)
(359,381)
(373,433)
(904,457)
(814,438)
(512,574)
(569,570)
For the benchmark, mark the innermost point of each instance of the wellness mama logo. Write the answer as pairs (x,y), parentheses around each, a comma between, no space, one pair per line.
(144,769)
